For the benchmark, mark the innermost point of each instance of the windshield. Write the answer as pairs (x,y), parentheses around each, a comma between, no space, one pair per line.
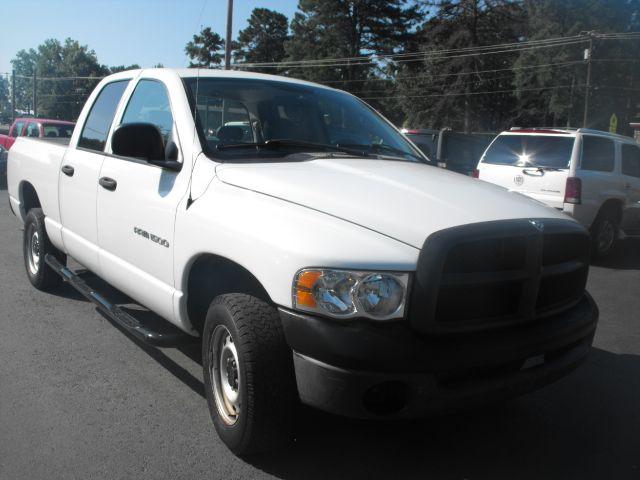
(530,151)
(237,113)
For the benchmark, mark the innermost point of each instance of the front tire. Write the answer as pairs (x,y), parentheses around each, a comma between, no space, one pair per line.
(35,246)
(248,374)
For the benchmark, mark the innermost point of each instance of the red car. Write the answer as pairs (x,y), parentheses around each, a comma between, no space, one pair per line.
(36,127)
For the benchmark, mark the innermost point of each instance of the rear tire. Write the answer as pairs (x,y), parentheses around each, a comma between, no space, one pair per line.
(248,374)
(604,234)
(35,246)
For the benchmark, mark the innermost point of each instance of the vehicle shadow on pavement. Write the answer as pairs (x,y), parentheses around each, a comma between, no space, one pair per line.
(625,257)
(585,426)
(145,316)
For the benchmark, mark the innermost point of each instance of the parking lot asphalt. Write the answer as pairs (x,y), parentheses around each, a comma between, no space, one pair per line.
(80,399)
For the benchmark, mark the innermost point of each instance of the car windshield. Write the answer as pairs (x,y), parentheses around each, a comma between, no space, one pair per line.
(271,118)
(530,151)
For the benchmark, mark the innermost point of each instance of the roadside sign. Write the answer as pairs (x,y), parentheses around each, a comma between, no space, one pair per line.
(613,123)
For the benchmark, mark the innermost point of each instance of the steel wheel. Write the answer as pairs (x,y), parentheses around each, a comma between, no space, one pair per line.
(606,235)
(225,372)
(34,250)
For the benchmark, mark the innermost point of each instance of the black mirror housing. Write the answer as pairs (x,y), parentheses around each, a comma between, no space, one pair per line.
(138,140)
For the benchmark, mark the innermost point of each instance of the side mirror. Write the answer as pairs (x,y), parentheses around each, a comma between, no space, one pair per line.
(138,140)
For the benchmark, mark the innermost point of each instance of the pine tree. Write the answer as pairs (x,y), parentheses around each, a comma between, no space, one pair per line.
(263,39)
(346,29)
(447,90)
(205,50)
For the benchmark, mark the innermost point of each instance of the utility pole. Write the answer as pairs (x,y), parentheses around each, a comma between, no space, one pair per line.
(35,100)
(13,95)
(227,43)
(588,53)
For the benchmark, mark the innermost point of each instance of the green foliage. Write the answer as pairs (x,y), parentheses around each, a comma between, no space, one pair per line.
(52,62)
(555,96)
(263,39)
(123,68)
(5,101)
(205,50)
(325,29)
(442,91)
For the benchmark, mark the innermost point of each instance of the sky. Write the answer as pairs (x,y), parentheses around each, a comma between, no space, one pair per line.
(123,32)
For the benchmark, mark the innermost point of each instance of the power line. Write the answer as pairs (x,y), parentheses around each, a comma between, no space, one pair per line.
(61,78)
(488,92)
(457,74)
(441,54)
(423,54)
(370,60)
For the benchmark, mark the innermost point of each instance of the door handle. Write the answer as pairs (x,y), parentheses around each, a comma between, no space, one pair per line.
(627,186)
(68,170)
(108,183)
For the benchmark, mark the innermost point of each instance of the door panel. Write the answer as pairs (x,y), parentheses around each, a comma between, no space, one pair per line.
(77,196)
(78,179)
(135,228)
(136,219)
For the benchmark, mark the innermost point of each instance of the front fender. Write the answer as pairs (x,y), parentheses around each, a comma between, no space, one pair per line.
(273,239)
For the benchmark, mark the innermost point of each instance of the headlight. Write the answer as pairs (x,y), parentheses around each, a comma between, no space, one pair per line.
(347,294)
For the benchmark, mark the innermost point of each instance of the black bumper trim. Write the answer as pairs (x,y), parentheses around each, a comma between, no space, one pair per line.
(337,362)
(394,347)
(341,391)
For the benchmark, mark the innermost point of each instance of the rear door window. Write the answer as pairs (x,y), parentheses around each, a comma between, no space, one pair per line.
(55,130)
(96,127)
(631,160)
(33,130)
(530,151)
(598,154)
(17,129)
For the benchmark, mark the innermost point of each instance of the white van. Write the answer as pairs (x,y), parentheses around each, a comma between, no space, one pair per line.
(591,175)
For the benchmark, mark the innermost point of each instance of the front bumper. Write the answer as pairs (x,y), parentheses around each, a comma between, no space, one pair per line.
(365,370)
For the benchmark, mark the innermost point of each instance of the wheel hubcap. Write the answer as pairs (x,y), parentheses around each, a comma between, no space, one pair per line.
(225,373)
(606,236)
(34,255)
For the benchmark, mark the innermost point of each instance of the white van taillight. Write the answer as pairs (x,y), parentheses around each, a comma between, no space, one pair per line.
(475,173)
(573,191)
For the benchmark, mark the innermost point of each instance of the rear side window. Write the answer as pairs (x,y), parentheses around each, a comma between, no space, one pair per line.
(17,129)
(96,128)
(530,151)
(598,154)
(54,130)
(33,130)
(631,160)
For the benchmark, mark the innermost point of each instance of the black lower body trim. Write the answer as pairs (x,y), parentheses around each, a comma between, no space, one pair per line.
(359,394)
(364,369)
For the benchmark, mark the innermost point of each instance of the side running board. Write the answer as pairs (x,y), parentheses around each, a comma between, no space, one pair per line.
(170,338)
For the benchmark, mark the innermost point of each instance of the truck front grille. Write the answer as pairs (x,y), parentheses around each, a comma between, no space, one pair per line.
(494,274)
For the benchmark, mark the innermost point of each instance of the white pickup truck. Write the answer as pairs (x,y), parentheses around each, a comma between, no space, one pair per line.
(304,239)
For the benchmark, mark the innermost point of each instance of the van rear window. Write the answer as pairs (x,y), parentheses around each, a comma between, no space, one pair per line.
(530,151)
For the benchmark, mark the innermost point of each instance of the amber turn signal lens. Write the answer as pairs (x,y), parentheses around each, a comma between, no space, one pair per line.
(304,284)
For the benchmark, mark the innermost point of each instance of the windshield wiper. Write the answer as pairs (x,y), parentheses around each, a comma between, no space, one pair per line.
(286,142)
(542,168)
(378,147)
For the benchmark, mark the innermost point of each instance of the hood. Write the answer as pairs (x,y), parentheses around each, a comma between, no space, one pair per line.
(404,200)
